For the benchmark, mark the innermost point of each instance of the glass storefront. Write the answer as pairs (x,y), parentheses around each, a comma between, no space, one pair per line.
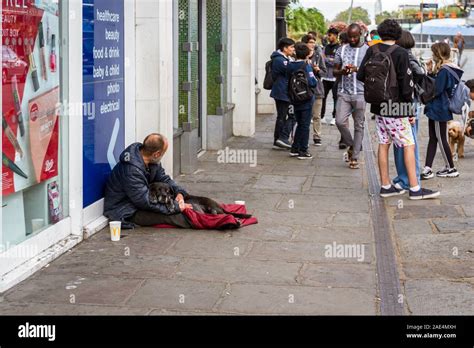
(34,131)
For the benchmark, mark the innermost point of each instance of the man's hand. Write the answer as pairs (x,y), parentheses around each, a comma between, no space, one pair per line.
(180,200)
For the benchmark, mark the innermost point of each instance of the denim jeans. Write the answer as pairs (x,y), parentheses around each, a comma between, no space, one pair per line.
(303,120)
(398,153)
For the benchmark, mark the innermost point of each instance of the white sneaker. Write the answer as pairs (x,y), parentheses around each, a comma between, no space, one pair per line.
(333,122)
(323,121)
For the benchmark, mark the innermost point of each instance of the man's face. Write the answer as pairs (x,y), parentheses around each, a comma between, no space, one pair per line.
(354,37)
(332,38)
(472,95)
(289,50)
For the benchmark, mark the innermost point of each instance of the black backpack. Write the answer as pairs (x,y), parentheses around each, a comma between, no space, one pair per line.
(380,83)
(425,89)
(299,90)
(268,80)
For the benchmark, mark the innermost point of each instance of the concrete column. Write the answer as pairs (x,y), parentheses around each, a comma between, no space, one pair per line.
(243,35)
(266,31)
(154,72)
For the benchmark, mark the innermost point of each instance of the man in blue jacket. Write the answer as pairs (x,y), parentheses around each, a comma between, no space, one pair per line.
(280,60)
(127,188)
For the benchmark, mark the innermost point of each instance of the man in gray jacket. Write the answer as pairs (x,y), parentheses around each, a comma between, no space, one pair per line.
(320,70)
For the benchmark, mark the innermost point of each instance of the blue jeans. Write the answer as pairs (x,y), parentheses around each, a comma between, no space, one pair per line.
(398,152)
(303,120)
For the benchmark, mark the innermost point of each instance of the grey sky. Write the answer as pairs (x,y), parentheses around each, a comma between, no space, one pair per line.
(332,7)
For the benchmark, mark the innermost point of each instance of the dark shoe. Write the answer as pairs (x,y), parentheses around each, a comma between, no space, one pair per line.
(283,144)
(317,142)
(448,173)
(392,191)
(342,146)
(423,194)
(305,156)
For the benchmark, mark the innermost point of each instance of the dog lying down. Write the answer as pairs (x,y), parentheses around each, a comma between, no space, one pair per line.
(162,193)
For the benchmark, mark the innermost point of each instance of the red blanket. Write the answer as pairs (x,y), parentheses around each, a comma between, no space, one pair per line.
(201,221)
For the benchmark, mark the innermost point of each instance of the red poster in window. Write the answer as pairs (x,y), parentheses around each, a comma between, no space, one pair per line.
(29,149)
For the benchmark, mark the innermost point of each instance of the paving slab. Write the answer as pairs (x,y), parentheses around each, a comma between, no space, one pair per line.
(177,294)
(300,300)
(439,297)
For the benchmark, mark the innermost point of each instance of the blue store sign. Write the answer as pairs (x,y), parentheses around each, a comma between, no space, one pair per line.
(103,93)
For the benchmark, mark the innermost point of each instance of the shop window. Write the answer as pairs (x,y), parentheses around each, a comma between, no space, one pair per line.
(34,131)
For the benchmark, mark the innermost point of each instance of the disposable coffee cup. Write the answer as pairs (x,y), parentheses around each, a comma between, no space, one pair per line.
(36,224)
(240,202)
(115,229)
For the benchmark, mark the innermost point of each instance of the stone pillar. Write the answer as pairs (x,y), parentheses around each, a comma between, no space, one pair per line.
(154,72)
(266,27)
(243,35)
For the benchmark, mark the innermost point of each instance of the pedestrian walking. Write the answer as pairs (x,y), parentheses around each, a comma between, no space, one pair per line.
(459,43)
(438,111)
(329,81)
(302,82)
(401,181)
(350,98)
(280,61)
(389,88)
(320,70)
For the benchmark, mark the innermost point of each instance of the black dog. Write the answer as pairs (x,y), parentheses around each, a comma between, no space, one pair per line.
(164,194)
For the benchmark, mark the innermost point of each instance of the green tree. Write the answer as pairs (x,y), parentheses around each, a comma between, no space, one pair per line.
(301,20)
(358,14)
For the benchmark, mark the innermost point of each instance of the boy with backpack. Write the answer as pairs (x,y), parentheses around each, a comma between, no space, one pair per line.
(277,69)
(450,97)
(389,88)
(302,82)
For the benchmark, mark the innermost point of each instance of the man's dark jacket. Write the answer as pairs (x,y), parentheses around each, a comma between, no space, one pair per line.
(126,190)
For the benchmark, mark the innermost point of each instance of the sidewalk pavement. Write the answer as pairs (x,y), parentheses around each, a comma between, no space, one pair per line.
(435,238)
(279,266)
(282,265)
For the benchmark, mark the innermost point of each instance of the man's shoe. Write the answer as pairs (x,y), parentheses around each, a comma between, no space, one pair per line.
(392,191)
(423,194)
(448,173)
(294,153)
(333,122)
(283,144)
(317,142)
(342,146)
(427,174)
(323,120)
(305,156)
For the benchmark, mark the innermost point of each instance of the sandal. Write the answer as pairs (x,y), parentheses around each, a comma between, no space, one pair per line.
(354,164)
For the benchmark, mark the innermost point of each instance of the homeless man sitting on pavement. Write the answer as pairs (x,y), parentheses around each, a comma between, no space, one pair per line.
(127,188)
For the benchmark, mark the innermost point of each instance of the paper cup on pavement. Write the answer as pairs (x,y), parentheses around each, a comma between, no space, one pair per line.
(115,229)
(240,202)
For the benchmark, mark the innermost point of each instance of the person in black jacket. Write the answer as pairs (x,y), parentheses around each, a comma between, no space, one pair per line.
(395,117)
(127,188)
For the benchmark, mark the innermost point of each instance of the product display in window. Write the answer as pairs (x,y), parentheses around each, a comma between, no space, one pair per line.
(30,102)
(32,129)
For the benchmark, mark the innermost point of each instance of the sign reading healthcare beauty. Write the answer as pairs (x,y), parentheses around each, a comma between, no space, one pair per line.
(30,93)
(103,93)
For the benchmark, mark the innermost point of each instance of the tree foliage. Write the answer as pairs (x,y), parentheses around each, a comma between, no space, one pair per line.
(358,14)
(301,20)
